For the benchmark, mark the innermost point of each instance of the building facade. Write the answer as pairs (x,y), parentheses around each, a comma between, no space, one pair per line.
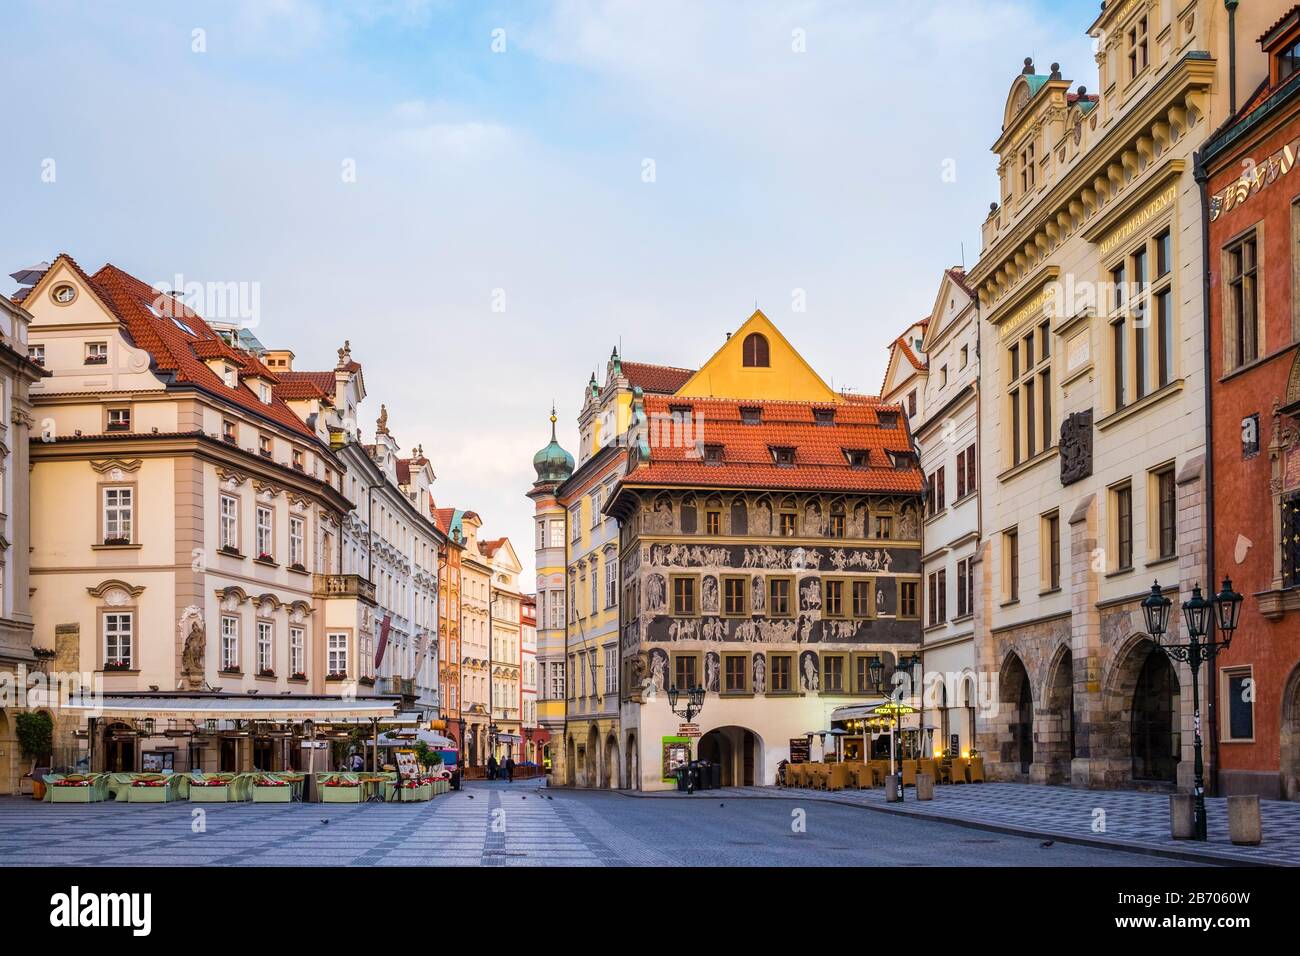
(1253,201)
(185,521)
(505,649)
(17,374)
(1092,401)
(533,736)
(946,430)
(451,691)
(769,551)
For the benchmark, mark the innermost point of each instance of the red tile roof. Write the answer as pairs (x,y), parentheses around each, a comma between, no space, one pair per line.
(660,379)
(490,548)
(958,275)
(304,385)
(442,517)
(403,471)
(820,463)
(175,351)
(1281,21)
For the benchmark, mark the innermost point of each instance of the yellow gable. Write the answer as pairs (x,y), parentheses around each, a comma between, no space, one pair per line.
(737,371)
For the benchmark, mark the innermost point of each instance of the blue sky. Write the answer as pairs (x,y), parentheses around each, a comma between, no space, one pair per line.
(517,176)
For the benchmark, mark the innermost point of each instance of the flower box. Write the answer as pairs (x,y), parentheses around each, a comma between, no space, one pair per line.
(81,791)
(298,676)
(266,672)
(272,793)
(117,665)
(208,793)
(116,541)
(345,793)
(148,792)
(336,675)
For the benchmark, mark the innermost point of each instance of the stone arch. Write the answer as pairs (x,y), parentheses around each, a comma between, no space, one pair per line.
(609,773)
(1289,740)
(738,751)
(838,512)
(1117,744)
(591,765)
(632,764)
(739,515)
(764,516)
(689,518)
(1013,726)
(1055,724)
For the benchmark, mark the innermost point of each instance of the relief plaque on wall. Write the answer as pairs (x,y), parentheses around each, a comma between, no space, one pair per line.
(1076,447)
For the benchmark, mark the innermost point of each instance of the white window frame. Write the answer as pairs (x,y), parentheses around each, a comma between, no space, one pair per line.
(119,640)
(229,521)
(265,646)
(297,651)
(336,643)
(229,642)
(118,504)
(297,540)
(264,522)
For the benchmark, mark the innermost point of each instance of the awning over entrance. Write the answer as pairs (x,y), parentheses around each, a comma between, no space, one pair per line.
(243,707)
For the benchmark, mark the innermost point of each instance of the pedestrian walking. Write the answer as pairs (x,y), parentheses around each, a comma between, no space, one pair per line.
(510,769)
(492,767)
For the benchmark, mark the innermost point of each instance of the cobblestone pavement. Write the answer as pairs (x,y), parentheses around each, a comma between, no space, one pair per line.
(491,824)
(1131,819)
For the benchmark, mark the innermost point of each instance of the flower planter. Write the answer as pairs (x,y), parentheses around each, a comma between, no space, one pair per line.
(272,794)
(209,794)
(161,794)
(350,794)
(73,795)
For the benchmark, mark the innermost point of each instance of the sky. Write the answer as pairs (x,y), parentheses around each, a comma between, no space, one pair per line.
(485,198)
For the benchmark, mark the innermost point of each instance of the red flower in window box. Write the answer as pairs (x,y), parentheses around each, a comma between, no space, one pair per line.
(266,672)
(297,675)
(117,539)
(336,675)
(298,566)
(148,783)
(117,665)
(263,556)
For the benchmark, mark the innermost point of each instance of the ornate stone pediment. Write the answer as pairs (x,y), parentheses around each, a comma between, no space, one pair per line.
(115,591)
(231,477)
(105,465)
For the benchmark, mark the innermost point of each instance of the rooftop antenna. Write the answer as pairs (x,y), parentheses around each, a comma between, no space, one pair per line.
(963,256)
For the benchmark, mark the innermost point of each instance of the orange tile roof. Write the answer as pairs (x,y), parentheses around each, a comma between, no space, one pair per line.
(403,471)
(662,379)
(820,463)
(303,385)
(175,351)
(490,548)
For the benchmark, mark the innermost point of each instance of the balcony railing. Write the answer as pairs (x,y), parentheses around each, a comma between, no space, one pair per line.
(343,586)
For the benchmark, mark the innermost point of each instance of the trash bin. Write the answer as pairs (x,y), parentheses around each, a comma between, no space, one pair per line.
(681,774)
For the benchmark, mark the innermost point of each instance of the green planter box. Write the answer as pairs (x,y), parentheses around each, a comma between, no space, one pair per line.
(272,794)
(340,794)
(209,794)
(148,794)
(73,795)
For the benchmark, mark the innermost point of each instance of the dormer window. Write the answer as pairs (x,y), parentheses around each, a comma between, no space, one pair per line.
(63,294)
(681,411)
(887,419)
(264,392)
(782,455)
(903,460)
(713,454)
(751,416)
(230,376)
(264,446)
(824,416)
(118,420)
(1288,62)
(96,353)
(857,457)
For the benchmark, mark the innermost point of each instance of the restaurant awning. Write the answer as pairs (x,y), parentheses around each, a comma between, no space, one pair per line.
(206,706)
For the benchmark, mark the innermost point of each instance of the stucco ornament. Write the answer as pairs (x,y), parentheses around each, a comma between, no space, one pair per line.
(196,642)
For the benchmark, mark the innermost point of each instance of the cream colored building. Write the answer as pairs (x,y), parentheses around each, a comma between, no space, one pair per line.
(475,588)
(17,374)
(185,521)
(1092,396)
(506,662)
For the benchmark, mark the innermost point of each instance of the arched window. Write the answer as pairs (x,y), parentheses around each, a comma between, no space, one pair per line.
(755,351)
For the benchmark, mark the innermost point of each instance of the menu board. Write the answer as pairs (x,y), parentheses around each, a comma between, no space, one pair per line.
(406,764)
(799,750)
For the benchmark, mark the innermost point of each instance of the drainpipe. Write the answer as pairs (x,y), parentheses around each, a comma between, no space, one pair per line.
(1202,181)
(1231,7)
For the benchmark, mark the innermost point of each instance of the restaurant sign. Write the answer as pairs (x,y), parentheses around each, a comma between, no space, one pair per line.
(799,750)
(1256,177)
(688,730)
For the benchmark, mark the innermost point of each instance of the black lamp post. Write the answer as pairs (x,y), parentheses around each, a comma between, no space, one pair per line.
(1201,646)
(691,707)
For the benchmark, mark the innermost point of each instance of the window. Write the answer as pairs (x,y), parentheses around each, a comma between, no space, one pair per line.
(1167,503)
(943,375)
(336,647)
(557,533)
(1137,48)
(229,523)
(1122,534)
(297,545)
(1239,696)
(735,673)
(1011,565)
(836,524)
(861,599)
(751,416)
(911,404)
(1027,168)
(712,522)
(1243,302)
(298,459)
(755,351)
(884,526)
(1288,62)
(265,533)
(1029,418)
(230,644)
(611,581)
(297,648)
(595,586)
(228,431)
(96,353)
(824,416)
(887,419)
(833,598)
(862,682)
(965,587)
(1052,547)
(733,597)
(713,454)
(684,597)
(37,354)
(782,455)
(789,524)
(265,644)
(264,393)
(685,672)
(63,294)
(119,629)
(555,616)
(780,667)
(118,420)
(119,510)
(833,674)
(575,521)
(935,486)
(965,472)
(557,681)
(965,357)
(938,597)
(857,457)
(595,508)
(264,446)
(611,669)
(778,598)
(907,595)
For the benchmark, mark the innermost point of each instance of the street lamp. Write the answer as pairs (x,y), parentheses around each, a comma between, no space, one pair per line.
(1200,647)
(691,707)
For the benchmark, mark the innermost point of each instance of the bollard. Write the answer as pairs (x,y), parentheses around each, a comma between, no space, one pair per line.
(892,794)
(924,786)
(1182,816)
(1245,828)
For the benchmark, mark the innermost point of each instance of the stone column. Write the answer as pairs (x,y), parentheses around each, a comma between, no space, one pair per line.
(1087,563)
